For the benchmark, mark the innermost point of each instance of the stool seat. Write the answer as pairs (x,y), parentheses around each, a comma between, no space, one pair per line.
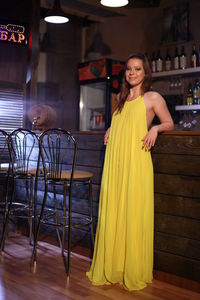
(78,174)
(31,171)
(4,166)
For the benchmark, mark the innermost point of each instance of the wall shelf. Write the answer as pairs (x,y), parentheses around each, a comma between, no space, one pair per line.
(184,72)
(187,107)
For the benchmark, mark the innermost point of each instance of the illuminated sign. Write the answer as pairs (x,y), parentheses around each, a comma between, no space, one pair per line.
(13,33)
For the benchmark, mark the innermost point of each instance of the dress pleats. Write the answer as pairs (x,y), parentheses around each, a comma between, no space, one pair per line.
(123,250)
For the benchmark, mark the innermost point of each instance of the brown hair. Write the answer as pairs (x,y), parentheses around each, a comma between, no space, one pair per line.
(125,87)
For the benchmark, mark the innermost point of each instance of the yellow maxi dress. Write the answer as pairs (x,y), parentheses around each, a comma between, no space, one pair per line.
(123,250)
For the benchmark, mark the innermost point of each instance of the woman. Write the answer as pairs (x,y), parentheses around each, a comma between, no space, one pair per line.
(123,250)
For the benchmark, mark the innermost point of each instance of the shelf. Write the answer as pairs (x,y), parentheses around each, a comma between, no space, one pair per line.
(176,72)
(187,107)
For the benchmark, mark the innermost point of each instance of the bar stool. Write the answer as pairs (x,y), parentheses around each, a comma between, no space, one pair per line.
(4,170)
(58,151)
(24,150)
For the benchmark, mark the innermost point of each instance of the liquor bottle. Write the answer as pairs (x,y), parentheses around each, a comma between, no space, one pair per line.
(153,63)
(189,95)
(198,58)
(176,59)
(194,57)
(159,62)
(168,61)
(199,97)
(196,92)
(183,59)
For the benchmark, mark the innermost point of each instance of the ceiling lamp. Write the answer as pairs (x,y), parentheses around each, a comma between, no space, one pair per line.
(56,14)
(114,3)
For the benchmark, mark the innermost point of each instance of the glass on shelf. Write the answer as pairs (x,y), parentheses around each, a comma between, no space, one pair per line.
(189,118)
(175,82)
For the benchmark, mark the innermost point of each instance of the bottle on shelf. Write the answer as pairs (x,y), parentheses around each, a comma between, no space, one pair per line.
(196,89)
(198,93)
(194,57)
(189,95)
(153,63)
(159,62)
(183,59)
(176,59)
(168,61)
(198,57)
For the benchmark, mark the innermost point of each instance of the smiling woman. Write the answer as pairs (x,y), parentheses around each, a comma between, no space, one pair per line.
(134,72)
(136,66)
(137,82)
(124,240)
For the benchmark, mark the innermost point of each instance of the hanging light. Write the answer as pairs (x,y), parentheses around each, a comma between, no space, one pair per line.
(56,14)
(114,3)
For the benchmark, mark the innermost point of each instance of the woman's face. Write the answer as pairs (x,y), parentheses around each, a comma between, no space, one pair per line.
(134,72)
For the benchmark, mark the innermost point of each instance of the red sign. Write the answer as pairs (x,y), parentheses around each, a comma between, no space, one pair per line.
(99,69)
(13,33)
(92,70)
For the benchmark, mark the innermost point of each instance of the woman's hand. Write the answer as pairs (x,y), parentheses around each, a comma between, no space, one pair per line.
(150,138)
(106,136)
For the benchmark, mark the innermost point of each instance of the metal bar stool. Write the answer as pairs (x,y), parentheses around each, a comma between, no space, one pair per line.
(4,170)
(24,150)
(58,151)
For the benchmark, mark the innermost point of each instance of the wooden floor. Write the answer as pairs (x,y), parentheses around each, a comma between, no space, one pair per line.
(49,282)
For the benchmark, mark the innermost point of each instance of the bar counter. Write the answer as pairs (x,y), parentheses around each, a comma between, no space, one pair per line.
(176,160)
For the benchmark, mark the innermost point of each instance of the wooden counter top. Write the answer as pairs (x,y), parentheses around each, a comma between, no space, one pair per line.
(165,133)
(181,133)
(92,132)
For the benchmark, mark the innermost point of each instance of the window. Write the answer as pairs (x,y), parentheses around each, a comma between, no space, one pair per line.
(11,106)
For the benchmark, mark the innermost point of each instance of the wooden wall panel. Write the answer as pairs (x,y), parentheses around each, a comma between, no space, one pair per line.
(177,265)
(177,245)
(178,226)
(179,185)
(90,141)
(178,144)
(90,158)
(176,164)
(79,205)
(177,205)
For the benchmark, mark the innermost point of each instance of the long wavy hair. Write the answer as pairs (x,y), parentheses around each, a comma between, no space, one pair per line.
(125,87)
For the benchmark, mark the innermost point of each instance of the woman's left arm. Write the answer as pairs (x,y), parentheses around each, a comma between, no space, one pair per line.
(166,123)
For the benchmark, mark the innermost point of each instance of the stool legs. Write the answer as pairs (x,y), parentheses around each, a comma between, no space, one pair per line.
(66,221)
(64,225)
(37,228)
(29,200)
(69,225)
(7,213)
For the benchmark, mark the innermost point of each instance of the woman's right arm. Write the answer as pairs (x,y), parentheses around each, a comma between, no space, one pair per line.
(106,136)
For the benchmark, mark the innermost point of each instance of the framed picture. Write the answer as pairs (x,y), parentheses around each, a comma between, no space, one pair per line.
(176,23)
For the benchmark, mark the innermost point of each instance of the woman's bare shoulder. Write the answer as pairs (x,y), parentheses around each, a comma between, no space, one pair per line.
(153,96)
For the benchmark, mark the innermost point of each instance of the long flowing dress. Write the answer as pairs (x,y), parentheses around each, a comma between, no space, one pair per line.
(123,251)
